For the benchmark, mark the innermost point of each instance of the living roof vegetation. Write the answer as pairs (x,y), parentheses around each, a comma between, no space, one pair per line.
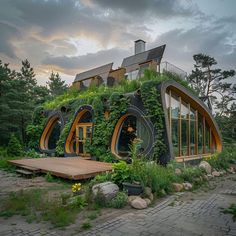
(72,95)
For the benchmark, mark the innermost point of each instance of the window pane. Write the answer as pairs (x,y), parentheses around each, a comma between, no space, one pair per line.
(184,110)
(192,114)
(175,136)
(200,134)
(207,139)
(174,106)
(184,137)
(192,137)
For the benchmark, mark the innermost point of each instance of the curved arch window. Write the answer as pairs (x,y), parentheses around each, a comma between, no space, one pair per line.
(190,132)
(127,129)
(51,134)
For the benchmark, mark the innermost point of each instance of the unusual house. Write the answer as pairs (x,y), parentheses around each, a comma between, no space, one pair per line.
(170,120)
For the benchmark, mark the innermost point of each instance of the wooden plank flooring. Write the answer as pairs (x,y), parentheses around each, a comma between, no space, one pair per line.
(74,168)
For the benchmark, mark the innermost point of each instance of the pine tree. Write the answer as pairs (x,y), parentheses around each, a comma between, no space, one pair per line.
(211,83)
(14,147)
(56,85)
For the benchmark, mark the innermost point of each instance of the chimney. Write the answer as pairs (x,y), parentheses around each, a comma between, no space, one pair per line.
(139,46)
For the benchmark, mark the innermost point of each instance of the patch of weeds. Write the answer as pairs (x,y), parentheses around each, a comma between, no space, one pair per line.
(79,202)
(119,201)
(93,215)
(60,216)
(231,210)
(65,197)
(35,205)
(86,225)
(49,177)
(21,203)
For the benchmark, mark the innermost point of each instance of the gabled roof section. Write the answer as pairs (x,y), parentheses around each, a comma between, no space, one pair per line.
(152,54)
(101,70)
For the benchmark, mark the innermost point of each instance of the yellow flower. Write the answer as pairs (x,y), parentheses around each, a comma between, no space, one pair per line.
(76,187)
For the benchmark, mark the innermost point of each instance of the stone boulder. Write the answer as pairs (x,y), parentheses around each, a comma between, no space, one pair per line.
(216,173)
(178,171)
(177,187)
(131,198)
(206,166)
(106,190)
(231,170)
(148,201)
(139,203)
(187,186)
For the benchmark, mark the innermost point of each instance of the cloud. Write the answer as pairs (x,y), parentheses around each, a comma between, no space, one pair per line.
(183,44)
(7,34)
(157,8)
(87,61)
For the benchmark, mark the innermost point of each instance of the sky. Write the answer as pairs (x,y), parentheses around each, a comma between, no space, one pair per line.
(71,36)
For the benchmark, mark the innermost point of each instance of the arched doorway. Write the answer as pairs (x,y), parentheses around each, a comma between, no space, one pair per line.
(80,133)
(51,134)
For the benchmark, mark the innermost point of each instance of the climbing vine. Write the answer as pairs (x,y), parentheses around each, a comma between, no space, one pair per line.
(116,105)
(152,101)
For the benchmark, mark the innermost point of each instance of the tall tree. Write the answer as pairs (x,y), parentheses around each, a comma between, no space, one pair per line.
(19,94)
(56,85)
(212,84)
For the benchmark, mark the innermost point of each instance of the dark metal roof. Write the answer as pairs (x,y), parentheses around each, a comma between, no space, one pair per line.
(152,54)
(105,69)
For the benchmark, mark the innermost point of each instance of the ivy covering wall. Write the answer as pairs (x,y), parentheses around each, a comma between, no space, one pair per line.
(115,103)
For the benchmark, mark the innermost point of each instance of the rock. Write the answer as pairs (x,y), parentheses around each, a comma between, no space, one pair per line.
(151,197)
(107,190)
(206,166)
(131,198)
(187,186)
(178,171)
(147,191)
(209,176)
(231,170)
(215,173)
(139,203)
(221,173)
(148,201)
(177,187)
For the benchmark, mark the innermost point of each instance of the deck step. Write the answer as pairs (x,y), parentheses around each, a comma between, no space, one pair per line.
(25,173)
(30,168)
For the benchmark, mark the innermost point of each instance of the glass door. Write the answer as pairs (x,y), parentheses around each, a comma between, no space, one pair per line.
(83,132)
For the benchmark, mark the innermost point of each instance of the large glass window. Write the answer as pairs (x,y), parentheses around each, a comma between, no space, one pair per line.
(190,132)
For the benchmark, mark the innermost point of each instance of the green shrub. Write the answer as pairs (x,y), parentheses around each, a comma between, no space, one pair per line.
(121,173)
(14,147)
(49,177)
(223,159)
(119,201)
(157,177)
(191,174)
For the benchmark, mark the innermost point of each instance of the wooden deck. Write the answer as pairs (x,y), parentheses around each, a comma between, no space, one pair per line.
(74,168)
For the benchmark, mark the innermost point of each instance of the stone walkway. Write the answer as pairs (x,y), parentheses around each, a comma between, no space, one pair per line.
(172,218)
(197,214)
